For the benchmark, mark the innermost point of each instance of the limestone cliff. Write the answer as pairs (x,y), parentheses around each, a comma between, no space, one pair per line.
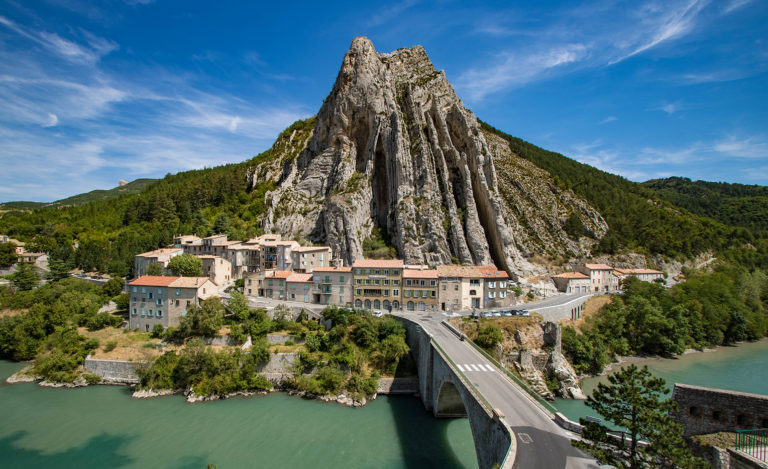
(393,146)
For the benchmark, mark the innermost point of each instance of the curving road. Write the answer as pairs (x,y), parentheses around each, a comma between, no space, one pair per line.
(541,443)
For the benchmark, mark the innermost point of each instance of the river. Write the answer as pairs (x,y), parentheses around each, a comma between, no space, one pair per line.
(101,426)
(741,368)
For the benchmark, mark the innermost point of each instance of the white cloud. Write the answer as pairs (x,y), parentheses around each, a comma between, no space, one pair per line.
(608,119)
(512,71)
(670,108)
(735,5)
(52,121)
(750,147)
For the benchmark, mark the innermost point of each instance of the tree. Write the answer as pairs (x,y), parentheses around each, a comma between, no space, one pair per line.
(113,287)
(489,336)
(58,269)
(237,306)
(204,320)
(186,265)
(8,255)
(633,400)
(156,269)
(25,277)
(221,223)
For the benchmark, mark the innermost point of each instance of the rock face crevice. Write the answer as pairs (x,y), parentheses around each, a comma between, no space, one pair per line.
(394,147)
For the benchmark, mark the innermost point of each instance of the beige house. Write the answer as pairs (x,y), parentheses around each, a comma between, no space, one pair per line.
(163,300)
(332,286)
(238,255)
(299,287)
(461,287)
(572,282)
(420,290)
(601,277)
(646,275)
(495,282)
(218,269)
(276,255)
(160,256)
(307,258)
(378,283)
(268,284)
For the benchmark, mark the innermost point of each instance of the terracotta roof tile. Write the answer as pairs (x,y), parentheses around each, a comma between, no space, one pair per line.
(492,271)
(154,281)
(598,266)
(332,269)
(571,275)
(160,252)
(408,273)
(277,274)
(191,282)
(296,277)
(458,271)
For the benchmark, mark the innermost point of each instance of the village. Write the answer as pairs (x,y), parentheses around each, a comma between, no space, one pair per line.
(269,267)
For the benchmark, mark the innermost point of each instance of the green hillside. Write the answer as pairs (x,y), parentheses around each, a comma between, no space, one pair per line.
(133,187)
(732,204)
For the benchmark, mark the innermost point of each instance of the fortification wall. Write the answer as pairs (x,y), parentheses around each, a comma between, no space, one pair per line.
(706,410)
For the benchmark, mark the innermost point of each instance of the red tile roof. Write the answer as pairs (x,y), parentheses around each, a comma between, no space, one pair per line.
(598,266)
(492,271)
(154,281)
(277,274)
(408,273)
(191,282)
(571,275)
(296,277)
(458,271)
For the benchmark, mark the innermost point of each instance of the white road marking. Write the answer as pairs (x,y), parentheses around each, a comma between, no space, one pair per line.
(525,438)
(461,368)
(474,367)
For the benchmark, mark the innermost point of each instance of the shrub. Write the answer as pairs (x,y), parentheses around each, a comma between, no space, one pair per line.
(109,346)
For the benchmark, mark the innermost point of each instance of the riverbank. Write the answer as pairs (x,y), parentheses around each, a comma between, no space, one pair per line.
(735,368)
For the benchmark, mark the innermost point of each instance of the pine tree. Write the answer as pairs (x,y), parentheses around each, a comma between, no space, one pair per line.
(632,401)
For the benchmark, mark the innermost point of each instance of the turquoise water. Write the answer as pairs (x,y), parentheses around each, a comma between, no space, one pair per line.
(743,368)
(101,426)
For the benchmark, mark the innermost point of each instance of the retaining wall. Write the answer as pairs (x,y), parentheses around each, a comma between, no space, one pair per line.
(112,371)
(706,410)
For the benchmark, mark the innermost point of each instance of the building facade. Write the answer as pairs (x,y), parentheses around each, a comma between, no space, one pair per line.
(307,258)
(378,283)
(572,282)
(157,300)
(420,290)
(159,256)
(332,286)
(461,287)
(218,269)
(495,282)
(601,277)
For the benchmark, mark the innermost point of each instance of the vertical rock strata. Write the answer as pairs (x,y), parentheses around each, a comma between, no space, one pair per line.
(394,147)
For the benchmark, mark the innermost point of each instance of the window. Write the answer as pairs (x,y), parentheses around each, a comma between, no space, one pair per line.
(159,313)
(143,290)
(455,288)
(341,289)
(177,301)
(357,271)
(443,287)
(270,282)
(159,301)
(376,272)
(407,293)
(341,279)
(386,281)
(135,312)
(135,289)
(159,291)
(473,292)
(358,292)
(432,283)
(151,295)
(395,293)
(395,282)
(491,284)
(386,271)
(178,291)
(408,283)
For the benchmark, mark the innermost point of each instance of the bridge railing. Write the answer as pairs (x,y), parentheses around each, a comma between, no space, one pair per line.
(514,378)
(753,443)
(476,392)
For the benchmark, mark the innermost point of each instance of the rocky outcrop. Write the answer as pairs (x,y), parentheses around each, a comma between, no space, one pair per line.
(394,147)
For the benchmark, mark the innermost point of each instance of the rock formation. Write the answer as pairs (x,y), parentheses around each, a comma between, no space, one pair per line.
(394,147)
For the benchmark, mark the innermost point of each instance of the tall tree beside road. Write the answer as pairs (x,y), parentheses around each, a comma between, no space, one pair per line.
(186,265)
(633,400)
(156,269)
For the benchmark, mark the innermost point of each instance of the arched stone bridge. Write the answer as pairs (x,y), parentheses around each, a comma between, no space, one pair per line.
(447,393)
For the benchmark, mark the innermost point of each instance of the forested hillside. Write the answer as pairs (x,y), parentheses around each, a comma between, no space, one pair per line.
(133,187)
(732,204)
(638,219)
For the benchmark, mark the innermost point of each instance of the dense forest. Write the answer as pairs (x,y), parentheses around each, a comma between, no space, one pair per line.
(709,309)
(637,218)
(732,204)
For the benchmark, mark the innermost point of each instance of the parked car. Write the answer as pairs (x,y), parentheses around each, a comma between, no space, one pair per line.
(378,314)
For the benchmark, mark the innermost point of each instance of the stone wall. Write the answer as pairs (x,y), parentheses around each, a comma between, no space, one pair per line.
(705,410)
(281,339)
(398,386)
(280,363)
(112,371)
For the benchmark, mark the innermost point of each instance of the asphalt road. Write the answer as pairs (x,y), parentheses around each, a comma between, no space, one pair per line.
(541,443)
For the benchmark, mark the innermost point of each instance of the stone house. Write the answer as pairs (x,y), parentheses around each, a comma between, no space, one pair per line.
(646,275)
(461,287)
(572,282)
(307,258)
(601,277)
(332,286)
(218,269)
(420,290)
(299,287)
(215,245)
(495,281)
(378,283)
(268,284)
(238,255)
(276,255)
(160,256)
(163,300)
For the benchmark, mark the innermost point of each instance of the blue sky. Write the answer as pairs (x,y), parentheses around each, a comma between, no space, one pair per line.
(94,92)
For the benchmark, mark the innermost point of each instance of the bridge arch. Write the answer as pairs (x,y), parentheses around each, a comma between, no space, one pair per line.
(449,401)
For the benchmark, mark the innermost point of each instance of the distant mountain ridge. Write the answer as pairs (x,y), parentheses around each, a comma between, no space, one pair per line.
(133,187)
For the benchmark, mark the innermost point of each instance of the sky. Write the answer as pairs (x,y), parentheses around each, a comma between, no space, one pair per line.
(95,92)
